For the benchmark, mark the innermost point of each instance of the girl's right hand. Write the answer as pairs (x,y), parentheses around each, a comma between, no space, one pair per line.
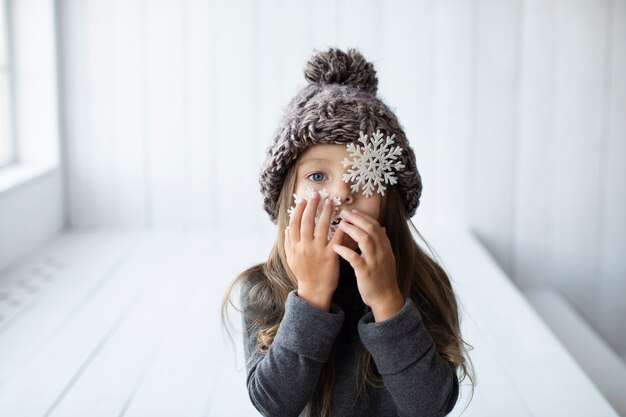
(310,254)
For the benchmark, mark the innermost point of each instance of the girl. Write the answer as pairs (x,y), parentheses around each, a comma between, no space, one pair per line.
(348,316)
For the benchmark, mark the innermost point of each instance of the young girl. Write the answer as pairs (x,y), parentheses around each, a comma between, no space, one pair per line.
(348,316)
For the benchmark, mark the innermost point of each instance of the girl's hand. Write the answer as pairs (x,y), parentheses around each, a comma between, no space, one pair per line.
(310,254)
(375,268)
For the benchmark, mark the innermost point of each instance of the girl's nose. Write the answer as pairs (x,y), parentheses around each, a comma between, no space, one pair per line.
(347,200)
(344,193)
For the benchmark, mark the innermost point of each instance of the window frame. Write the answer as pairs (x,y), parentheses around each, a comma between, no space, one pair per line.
(8,139)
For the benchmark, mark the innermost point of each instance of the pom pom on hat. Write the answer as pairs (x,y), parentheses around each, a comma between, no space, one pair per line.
(344,68)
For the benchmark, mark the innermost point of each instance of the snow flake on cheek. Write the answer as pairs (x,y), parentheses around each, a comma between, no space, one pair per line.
(336,201)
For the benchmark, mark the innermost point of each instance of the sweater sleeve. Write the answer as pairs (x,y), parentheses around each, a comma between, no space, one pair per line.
(281,381)
(419,380)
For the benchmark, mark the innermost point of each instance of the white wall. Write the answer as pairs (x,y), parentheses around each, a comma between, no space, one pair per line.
(515,110)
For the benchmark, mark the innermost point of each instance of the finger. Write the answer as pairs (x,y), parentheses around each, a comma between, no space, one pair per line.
(367,223)
(349,255)
(366,241)
(337,237)
(323,224)
(363,220)
(287,244)
(294,223)
(308,218)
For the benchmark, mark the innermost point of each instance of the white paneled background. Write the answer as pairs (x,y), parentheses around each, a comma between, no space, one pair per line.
(515,109)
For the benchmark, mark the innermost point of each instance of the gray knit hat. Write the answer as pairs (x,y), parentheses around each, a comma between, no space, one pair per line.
(339,103)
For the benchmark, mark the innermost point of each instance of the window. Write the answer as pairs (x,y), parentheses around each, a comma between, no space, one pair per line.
(6,136)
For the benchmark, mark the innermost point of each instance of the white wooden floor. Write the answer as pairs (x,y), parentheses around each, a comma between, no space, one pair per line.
(127,324)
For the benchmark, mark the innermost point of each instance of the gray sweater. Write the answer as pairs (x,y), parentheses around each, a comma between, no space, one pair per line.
(417,380)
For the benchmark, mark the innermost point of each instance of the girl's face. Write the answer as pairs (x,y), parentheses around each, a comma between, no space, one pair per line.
(319,167)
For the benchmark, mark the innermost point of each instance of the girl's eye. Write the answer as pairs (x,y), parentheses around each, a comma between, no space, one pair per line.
(316,176)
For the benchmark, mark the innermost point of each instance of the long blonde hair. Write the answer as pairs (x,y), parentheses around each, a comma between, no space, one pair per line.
(419,276)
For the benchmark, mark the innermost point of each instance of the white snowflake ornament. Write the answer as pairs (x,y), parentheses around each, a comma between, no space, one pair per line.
(372,164)
(335,218)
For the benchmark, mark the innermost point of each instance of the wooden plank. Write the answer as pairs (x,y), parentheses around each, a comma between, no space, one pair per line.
(273,98)
(230,395)
(496,68)
(186,375)
(236,170)
(231,398)
(52,286)
(89,105)
(595,357)
(296,46)
(496,386)
(119,365)
(405,76)
(326,24)
(530,355)
(609,305)
(80,186)
(200,85)
(41,383)
(168,147)
(98,55)
(359,26)
(532,192)
(150,337)
(446,194)
(128,133)
(581,40)
(103,50)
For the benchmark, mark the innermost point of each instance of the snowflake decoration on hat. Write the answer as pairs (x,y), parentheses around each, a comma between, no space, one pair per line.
(372,163)
(336,202)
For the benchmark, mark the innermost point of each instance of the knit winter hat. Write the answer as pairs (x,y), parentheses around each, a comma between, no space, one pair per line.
(337,106)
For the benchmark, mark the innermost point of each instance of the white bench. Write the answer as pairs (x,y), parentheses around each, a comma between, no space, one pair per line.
(129,324)
(603,366)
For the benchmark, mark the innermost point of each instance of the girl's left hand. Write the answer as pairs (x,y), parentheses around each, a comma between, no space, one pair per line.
(375,268)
